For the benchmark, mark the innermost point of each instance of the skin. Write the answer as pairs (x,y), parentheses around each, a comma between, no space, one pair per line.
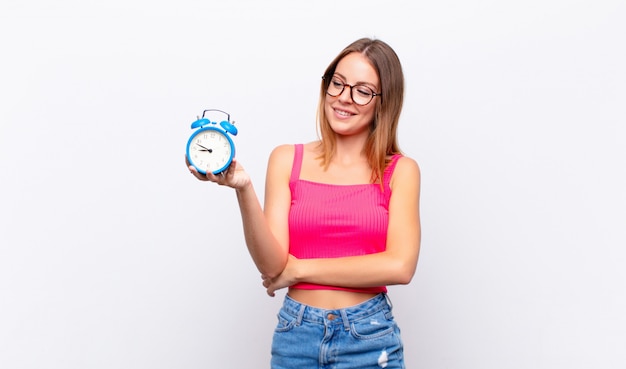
(266,228)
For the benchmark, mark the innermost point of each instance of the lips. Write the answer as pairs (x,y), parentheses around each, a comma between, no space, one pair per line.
(343,113)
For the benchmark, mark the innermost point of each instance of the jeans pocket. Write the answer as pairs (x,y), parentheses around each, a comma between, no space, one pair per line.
(286,322)
(375,326)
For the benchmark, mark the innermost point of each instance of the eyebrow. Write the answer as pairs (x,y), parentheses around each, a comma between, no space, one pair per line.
(358,83)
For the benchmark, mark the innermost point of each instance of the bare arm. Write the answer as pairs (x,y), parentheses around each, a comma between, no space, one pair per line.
(266,232)
(395,265)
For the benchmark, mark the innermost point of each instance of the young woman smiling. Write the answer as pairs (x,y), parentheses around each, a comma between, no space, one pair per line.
(340,220)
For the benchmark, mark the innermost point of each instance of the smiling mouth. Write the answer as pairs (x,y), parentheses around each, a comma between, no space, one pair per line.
(343,113)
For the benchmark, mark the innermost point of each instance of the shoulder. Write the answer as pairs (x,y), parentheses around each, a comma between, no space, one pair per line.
(279,166)
(406,173)
(406,163)
(281,158)
(282,152)
(286,152)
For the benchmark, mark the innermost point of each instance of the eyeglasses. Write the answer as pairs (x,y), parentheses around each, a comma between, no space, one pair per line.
(360,94)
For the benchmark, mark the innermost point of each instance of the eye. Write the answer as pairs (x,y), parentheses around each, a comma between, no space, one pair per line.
(364,91)
(336,83)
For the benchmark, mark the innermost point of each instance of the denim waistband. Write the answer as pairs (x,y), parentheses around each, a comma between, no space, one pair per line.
(343,316)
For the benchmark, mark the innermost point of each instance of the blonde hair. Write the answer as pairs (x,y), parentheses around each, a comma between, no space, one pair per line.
(382,141)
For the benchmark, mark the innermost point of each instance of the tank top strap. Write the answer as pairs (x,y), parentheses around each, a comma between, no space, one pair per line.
(389,170)
(297,163)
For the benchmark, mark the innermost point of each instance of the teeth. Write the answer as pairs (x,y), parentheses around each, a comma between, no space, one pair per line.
(344,113)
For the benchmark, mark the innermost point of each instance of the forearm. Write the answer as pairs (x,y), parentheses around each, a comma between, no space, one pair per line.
(268,254)
(371,270)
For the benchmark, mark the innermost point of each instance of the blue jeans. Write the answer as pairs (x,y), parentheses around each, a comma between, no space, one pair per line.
(361,336)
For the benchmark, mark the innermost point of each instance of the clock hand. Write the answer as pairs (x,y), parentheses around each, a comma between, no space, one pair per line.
(205,149)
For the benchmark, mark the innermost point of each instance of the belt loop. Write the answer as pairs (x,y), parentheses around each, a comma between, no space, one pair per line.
(300,314)
(388,301)
(389,309)
(344,319)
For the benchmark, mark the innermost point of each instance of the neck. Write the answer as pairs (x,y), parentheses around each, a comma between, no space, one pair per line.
(349,149)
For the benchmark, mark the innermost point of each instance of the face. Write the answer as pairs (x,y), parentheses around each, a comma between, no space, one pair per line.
(346,117)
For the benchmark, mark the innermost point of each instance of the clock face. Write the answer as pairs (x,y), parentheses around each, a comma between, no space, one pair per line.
(210,150)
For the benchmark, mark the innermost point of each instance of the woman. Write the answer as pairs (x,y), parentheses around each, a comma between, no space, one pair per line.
(340,220)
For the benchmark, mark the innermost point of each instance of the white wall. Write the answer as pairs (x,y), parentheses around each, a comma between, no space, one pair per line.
(113,256)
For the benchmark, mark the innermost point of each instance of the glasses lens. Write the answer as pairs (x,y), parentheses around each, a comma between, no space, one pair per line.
(362,95)
(335,87)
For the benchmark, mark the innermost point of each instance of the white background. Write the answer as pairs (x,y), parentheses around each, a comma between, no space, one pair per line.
(113,256)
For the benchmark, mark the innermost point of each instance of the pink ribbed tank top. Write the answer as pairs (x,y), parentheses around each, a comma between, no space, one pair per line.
(331,221)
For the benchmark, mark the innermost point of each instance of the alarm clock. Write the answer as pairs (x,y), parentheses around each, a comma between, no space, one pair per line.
(210,148)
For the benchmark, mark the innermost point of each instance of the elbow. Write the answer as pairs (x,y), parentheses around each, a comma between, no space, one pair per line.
(272,270)
(403,273)
(404,278)
(270,273)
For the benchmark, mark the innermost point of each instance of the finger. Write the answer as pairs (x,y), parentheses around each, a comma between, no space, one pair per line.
(232,168)
(189,166)
(227,173)
(212,177)
(219,177)
(197,174)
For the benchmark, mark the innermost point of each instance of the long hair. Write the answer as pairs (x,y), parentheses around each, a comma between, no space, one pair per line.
(382,141)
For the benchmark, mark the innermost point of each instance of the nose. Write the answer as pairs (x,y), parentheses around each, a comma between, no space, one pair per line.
(346,95)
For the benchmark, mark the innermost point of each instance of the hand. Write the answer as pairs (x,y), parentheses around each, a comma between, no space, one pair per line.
(286,279)
(234,176)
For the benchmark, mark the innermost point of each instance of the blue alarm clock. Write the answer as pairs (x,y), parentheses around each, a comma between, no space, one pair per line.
(210,148)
